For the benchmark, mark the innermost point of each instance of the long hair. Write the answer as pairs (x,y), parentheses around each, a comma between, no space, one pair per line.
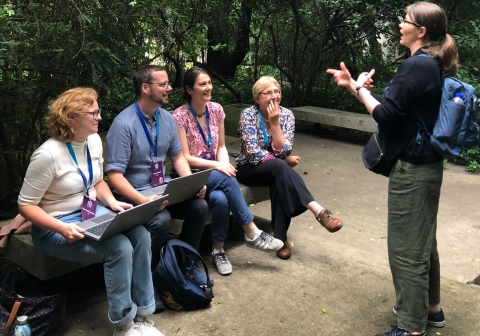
(189,81)
(59,118)
(437,43)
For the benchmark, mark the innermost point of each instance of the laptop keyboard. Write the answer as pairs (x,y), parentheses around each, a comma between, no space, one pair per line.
(99,229)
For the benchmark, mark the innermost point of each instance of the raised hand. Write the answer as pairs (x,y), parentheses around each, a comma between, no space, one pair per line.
(365,79)
(342,77)
(273,112)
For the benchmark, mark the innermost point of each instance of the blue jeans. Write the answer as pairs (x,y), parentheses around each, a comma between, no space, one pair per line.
(224,195)
(126,264)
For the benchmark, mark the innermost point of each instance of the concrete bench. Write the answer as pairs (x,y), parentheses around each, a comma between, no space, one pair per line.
(21,251)
(324,116)
(317,115)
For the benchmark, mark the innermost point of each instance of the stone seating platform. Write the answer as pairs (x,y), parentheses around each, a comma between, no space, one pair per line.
(21,251)
(317,115)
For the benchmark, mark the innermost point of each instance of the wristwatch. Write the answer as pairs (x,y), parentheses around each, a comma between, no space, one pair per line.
(357,89)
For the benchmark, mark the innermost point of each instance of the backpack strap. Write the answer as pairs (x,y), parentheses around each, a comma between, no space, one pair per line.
(175,272)
(11,318)
(420,120)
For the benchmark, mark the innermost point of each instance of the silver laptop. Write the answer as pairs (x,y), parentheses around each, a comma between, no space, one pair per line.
(105,226)
(181,188)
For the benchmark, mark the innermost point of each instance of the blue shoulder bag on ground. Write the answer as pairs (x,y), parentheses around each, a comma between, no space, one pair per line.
(178,291)
(456,128)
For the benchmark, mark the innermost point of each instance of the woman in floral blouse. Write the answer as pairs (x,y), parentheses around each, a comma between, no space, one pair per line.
(267,131)
(200,125)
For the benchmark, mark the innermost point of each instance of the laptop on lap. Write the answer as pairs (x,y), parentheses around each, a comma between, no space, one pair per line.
(181,188)
(112,223)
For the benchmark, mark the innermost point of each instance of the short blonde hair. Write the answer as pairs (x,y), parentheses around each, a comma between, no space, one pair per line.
(59,118)
(261,84)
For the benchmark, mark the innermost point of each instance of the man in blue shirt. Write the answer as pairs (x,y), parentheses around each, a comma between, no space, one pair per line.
(136,157)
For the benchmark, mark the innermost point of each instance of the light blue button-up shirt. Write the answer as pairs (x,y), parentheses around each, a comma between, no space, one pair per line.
(129,151)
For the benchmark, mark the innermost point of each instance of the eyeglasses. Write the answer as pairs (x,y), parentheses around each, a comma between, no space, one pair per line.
(412,23)
(95,114)
(272,93)
(162,85)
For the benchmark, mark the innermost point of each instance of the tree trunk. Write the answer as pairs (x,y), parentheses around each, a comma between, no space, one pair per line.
(223,61)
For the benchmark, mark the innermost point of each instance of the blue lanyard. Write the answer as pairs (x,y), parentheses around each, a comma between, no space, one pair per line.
(262,124)
(89,163)
(207,115)
(147,133)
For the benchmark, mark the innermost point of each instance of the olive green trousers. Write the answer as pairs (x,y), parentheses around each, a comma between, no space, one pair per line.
(413,197)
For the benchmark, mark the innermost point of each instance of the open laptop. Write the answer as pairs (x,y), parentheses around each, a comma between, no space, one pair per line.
(105,226)
(181,188)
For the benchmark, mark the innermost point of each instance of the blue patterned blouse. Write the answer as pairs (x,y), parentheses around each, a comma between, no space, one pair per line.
(254,149)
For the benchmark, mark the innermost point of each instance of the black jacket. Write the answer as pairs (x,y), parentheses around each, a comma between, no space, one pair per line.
(415,88)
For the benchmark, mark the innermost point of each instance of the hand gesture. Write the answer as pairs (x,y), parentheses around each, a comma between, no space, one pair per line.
(226,168)
(273,112)
(72,232)
(201,192)
(292,161)
(365,79)
(342,77)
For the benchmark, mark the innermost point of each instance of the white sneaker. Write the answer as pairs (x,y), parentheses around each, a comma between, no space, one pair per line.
(123,331)
(264,242)
(146,326)
(223,266)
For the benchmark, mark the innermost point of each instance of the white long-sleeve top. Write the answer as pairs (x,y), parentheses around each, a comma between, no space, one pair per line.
(52,180)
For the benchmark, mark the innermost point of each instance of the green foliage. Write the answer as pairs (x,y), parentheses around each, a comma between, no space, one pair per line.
(471,159)
(47,47)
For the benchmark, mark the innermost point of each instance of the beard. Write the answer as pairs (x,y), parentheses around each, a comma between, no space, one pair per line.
(162,100)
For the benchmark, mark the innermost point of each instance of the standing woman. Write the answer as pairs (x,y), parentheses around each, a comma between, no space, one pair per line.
(416,177)
(62,186)
(267,131)
(201,131)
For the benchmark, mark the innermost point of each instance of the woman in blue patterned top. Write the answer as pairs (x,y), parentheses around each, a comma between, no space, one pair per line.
(267,131)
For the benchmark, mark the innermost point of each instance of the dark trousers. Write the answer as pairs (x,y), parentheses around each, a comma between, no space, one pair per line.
(194,213)
(288,192)
(413,197)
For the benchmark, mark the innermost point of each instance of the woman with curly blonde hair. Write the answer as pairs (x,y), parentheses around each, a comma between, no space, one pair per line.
(62,186)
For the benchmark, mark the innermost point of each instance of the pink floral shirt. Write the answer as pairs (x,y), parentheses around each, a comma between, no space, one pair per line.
(185,120)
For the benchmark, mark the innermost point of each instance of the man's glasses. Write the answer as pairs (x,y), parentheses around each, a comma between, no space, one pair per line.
(272,93)
(95,114)
(412,23)
(162,85)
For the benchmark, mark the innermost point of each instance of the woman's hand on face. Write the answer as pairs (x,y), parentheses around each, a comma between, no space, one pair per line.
(365,79)
(72,232)
(273,112)
(292,161)
(342,77)
(226,168)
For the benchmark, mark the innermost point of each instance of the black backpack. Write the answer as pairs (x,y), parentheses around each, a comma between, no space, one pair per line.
(178,291)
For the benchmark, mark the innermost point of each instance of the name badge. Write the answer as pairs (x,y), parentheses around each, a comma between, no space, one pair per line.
(156,174)
(89,207)
(208,156)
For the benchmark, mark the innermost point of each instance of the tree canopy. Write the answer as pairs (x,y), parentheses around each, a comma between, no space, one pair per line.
(49,46)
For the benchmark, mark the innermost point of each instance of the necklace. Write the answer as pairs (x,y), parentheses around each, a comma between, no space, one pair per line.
(200,115)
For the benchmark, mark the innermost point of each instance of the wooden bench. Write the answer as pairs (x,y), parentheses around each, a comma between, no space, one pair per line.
(21,251)
(324,116)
